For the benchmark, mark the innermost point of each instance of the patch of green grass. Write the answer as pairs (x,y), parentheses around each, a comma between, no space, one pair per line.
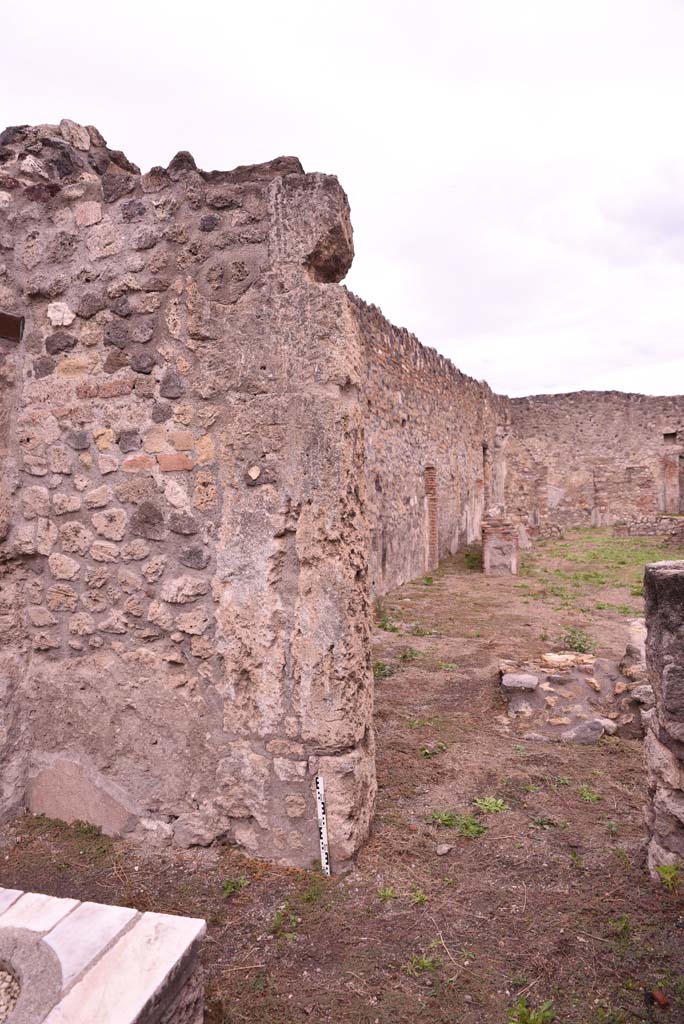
(622,929)
(448,666)
(419,723)
(563,780)
(232,886)
(422,964)
(623,857)
(428,581)
(472,556)
(389,626)
(637,590)
(409,654)
(607,1016)
(419,630)
(445,818)
(467,825)
(435,750)
(576,639)
(576,860)
(386,894)
(546,823)
(284,923)
(521,1013)
(490,804)
(381,670)
(314,889)
(418,897)
(587,794)
(670,876)
(98,848)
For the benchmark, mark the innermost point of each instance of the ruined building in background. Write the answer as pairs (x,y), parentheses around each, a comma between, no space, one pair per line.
(213,456)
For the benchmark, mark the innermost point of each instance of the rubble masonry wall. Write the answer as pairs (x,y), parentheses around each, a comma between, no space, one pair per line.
(183,590)
(595,459)
(435,442)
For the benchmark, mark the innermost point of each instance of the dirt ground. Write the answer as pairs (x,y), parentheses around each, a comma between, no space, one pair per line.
(545,898)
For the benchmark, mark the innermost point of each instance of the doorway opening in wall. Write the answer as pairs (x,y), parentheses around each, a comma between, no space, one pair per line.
(431,520)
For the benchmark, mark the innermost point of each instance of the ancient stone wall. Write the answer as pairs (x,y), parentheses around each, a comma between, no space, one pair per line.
(664,743)
(184,602)
(435,442)
(595,459)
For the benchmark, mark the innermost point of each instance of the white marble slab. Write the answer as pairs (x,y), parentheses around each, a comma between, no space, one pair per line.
(36,912)
(8,897)
(119,986)
(79,938)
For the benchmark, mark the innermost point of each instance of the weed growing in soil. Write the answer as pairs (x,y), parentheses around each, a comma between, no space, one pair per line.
(670,876)
(419,630)
(386,894)
(448,666)
(381,670)
(604,1016)
(445,818)
(622,929)
(547,823)
(438,748)
(232,886)
(577,860)
(467,825)
(588,794)
(284,923)
(521,1013)
(421,964)
(418,896)
(473,559)
(490,804)
(428,581)
(314,890)
(409,654)
(389,626)
(576,639)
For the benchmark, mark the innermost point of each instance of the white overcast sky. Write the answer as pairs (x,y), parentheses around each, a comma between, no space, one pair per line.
(515,168)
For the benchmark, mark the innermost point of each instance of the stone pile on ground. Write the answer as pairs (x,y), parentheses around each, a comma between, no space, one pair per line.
(9,993)
(579,698)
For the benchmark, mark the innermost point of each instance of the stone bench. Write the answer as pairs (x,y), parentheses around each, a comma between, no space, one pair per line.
(87,963)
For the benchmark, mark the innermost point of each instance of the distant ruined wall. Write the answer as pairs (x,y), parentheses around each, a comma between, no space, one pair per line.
(182,504)
(595,459)
(435,446)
